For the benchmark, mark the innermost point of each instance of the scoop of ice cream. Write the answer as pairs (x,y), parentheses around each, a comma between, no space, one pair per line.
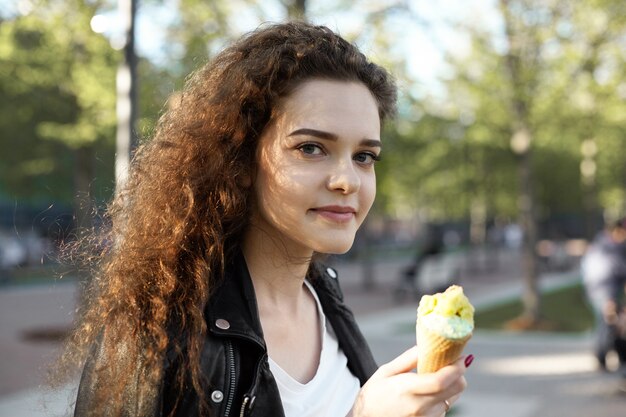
(449,313)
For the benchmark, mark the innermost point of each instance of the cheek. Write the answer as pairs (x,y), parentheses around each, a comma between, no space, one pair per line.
(286,184)
(368,192)
(280,190)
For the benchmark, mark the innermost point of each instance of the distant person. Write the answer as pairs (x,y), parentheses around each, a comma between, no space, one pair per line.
(604,277)
(211,300)
(431,246)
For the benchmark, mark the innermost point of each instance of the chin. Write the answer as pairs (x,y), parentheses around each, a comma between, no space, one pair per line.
(335,247)
(334,252)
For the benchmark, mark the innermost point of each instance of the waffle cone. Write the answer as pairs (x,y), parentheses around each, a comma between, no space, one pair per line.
(436,351)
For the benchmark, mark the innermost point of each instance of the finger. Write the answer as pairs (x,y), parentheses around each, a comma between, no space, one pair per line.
(454,391)
(440,381)
(452,400)
(446,408)
(434,387)
(405,362)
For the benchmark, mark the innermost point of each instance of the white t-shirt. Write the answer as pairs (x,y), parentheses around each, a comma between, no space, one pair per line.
(333,389)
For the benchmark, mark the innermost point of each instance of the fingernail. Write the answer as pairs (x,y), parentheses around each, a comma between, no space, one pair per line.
(469,360)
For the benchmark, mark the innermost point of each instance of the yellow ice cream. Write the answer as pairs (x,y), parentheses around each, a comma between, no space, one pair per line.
(449,314)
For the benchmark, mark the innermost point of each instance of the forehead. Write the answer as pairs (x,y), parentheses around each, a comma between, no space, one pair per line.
(335,106)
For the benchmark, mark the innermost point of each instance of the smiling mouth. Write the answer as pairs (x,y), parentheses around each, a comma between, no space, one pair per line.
(339,214)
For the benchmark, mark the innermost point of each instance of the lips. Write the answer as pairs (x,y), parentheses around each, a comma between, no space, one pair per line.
(339,214)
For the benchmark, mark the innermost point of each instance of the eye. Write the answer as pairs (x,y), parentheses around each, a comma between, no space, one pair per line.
(311,149)
(366,158)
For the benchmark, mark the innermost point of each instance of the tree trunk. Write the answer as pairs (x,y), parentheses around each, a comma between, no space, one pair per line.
(526,204)
(296,9)
(522,54)
(588,150)
(126,95)
(590,197)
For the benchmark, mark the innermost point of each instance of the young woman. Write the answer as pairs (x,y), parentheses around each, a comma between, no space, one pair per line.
(209,301)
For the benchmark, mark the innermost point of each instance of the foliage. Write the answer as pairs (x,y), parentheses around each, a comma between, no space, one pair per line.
(446,157)
(57,80)
(450,154)
(202,27)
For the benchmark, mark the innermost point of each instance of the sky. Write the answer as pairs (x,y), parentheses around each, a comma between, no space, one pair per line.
(423,43)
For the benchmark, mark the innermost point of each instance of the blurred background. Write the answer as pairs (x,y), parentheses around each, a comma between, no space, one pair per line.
(506,159)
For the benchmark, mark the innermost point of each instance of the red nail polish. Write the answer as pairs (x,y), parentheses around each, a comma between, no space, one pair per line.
(469,360)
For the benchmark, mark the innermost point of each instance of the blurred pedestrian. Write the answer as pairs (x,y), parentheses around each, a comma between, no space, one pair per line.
(604,277)
(429,247)
(210,301)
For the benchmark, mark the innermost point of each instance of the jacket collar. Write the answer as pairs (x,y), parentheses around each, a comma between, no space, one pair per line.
(232,309)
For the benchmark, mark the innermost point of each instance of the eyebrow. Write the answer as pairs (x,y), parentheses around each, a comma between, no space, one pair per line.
(331,136)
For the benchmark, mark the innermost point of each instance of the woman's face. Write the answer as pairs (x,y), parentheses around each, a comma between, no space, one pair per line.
(315,181)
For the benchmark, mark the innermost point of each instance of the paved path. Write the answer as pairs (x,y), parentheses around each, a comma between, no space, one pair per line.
(514,375)
(32,319)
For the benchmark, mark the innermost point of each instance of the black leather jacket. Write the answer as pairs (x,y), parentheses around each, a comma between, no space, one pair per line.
(234,357)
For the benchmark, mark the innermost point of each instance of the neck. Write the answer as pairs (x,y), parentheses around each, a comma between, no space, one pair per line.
(277,274)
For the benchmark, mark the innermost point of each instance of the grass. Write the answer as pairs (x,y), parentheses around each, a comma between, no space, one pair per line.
(562,310)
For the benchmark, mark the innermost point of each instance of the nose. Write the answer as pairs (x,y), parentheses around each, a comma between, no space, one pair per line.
(343,177)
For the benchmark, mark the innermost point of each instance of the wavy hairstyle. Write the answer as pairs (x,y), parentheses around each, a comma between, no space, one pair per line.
(187,201)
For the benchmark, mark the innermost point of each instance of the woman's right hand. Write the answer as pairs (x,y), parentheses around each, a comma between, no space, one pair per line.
(394,390)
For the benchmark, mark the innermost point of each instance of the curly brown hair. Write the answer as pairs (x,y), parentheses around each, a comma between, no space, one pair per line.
(186,204)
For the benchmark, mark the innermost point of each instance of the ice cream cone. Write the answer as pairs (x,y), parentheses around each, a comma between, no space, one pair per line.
(436,351)
(445,322)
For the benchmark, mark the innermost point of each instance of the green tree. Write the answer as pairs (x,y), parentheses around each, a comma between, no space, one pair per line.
(592,61)
(507,142)
(57,79)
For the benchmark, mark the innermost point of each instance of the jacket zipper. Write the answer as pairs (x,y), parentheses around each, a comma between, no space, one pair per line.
(246,399)
(230,358)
